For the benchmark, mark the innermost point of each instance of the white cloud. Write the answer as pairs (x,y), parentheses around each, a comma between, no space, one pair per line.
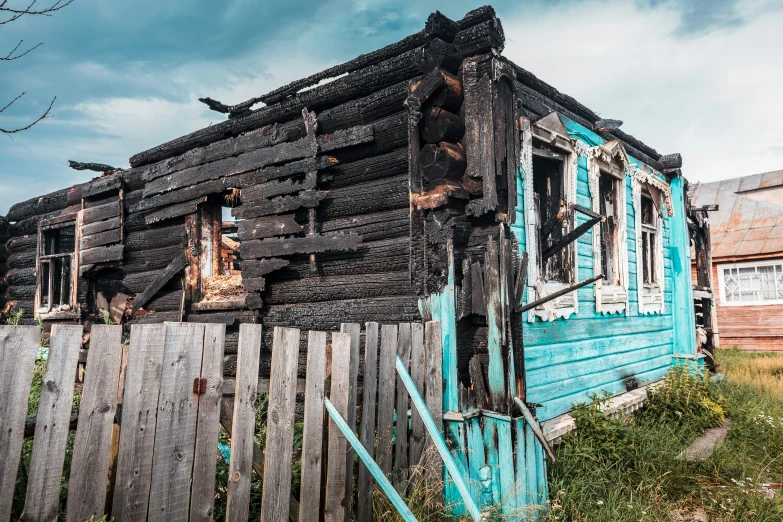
(713,98)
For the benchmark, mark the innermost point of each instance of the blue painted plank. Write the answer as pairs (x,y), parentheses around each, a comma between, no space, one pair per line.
(491,448)
(593,327)
(520,464)
(368,461)
(476,462)
(506,467)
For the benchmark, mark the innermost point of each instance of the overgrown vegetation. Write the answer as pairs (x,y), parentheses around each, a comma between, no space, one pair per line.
(626,469)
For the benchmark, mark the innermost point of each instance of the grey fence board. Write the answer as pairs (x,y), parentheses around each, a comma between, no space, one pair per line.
(352,329)
(334,506)
(367,427)
(312,436)
(401,435)
(386,379)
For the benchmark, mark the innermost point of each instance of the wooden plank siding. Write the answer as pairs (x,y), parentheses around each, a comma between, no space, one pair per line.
(568,359)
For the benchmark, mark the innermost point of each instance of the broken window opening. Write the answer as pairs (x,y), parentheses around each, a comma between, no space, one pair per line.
(649,238)
(553,215)
(608,196)
(220,268)
(56,283)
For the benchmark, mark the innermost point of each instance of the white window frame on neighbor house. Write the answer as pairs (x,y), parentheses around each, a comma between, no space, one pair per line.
(650,295)
(749,264)
(555,136)
(610,158)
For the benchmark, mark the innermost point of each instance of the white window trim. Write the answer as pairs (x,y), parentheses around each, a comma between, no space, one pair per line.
(610,299)
(656,295)
(566,305)
(722,287)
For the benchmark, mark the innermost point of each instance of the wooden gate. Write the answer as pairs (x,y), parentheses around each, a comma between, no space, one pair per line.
(164,390)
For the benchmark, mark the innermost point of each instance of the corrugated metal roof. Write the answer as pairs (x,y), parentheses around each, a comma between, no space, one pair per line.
(750,218)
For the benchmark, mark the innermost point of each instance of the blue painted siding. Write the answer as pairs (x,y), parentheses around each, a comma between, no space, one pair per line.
(568,359)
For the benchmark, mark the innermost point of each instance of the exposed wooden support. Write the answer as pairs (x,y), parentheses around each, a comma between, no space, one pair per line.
(177,265)
(555,295)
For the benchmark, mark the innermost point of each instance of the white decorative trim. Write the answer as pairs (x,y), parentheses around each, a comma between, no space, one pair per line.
(564,306)
(650,299)
(654,181)
(610,299)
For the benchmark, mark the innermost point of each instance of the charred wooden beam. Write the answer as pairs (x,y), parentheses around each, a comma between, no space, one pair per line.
(298,245)
(442,161)
(102,185)
(101,239)
(346,138)
(375,196)
(671,161)
(438,124)
(278,205)
(269,226)
(174,211)
(606,125)
(101,226)
(99,213)
(277,188)
(102,254)
(95,167)
(37,206)
(261,267)
(569,238)
(555,295)
(342,287)
(176,266)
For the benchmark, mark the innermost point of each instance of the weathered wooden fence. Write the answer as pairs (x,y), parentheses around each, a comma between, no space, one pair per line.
(156,457)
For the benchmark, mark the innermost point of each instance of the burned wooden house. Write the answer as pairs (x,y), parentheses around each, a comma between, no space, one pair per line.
(430,179)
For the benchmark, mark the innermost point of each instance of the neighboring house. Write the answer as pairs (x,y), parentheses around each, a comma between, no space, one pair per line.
(411,187)
(747,257)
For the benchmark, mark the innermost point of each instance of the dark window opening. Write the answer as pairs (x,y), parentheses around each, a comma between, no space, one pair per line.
(608,193)
(549,187)
(56,257)
(649,238)
(220,263)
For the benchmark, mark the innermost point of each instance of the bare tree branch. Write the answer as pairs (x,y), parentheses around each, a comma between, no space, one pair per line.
(44,115)
(9,57)
(15,14)
(12,101)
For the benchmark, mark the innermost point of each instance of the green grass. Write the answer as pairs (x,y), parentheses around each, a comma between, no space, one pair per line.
(614,470)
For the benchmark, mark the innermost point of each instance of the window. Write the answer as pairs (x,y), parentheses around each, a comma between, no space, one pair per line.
(549,192)
(608,189)
(751,283)
(648,193)
(607,168)
(57,272)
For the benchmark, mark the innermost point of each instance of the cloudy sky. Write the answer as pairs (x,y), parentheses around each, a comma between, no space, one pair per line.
(699,77)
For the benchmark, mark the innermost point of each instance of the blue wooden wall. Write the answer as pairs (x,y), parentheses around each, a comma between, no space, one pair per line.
(567,359)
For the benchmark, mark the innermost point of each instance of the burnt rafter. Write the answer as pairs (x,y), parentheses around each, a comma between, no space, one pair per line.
(559,293)
(95,167)
(575,233)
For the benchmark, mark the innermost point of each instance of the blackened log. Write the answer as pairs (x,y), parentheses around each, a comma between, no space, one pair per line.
(476,16)
(21,292)
(352,286)
(481,38)
(384,74)
(107,211)
(38,205)
(100,239)
(100,226)
(390,133)
(176,266)
(607,125)
(165,301)
(256,139)
(22,243)
(393,163)
(372,226)
(441,54)
(202,189)
(278,188)
(375,196)
(328,315)
(346,138)
(150,259)
(102,185)
(253,284)
(519,282)
(137,282)
(20,276)
(439,88)
(261,267)
(174,211)
(23,259)
(421,92)
(269,226)
(388,255)
(374,107)
(298,245)
(259,158)
(671,161)
(438,124)
(441,161)
(278,205)
(157,317)
(465,298)
(95,167)
(155,237)
(479,306)
(100,255)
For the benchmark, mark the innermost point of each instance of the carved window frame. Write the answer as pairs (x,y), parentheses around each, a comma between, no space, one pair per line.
(651,297)
(567,305)
(44,227)
(610,299)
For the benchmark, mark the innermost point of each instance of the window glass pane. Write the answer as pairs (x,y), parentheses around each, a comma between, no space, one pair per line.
(767,282)
(730,284)
(779,280)
(748,283)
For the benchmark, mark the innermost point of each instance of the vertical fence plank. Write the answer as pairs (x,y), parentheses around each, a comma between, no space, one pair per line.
(18,348)
(175,433)
(243,423)
(202,503)
(386,381)
(419,375)
(401,435)
(312,436)
(434,387)
(491,448)
(476,461)
(280,425)
(354,331)
(367,428)
(54,412)
(334,508)
(521,484)
(115,432)
(90,461)
(508,501)
(137,436)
